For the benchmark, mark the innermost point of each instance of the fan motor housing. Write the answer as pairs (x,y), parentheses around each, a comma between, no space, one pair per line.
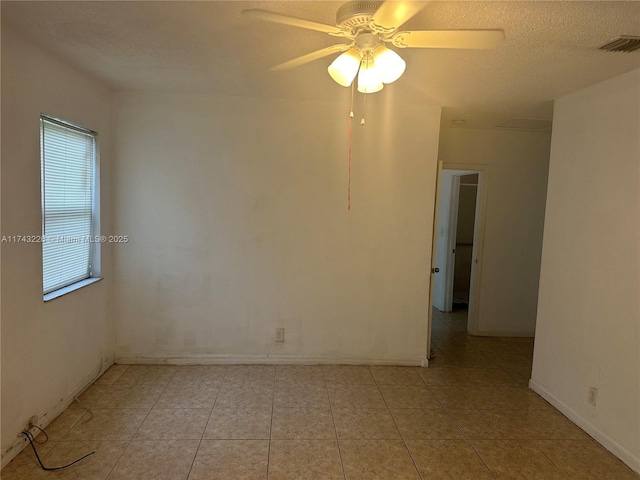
(355,15)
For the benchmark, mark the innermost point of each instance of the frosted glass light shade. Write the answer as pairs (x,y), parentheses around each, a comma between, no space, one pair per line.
(344,68)
(369,80)
(390,65)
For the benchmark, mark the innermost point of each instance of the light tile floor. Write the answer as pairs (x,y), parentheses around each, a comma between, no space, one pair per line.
(469,416)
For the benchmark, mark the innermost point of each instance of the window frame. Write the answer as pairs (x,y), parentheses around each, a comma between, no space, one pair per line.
(94,270)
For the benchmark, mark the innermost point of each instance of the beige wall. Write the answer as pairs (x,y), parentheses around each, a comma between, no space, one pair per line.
(49,350)
(236,209)
(516,178)
(588,329)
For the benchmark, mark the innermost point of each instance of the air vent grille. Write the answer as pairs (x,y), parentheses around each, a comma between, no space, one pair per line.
(623,43)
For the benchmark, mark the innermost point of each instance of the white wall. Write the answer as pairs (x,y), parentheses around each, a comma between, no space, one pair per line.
(49,350)
(516,177)
(237,213)
(588,329)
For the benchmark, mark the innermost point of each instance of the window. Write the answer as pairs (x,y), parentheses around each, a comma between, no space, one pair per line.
(70,226)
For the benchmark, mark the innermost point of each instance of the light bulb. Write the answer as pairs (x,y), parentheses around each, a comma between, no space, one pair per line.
(390,65)
(369,80)
(345,67)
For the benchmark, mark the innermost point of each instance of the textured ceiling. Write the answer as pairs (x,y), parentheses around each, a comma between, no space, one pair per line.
(551,49)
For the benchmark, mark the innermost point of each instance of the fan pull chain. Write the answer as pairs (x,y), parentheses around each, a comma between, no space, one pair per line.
(353,86)
(350,142)
(364,108)
(364,102)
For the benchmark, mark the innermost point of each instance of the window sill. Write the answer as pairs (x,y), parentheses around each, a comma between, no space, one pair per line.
(70,288)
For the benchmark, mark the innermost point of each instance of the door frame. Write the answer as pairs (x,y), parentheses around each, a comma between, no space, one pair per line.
(478,243)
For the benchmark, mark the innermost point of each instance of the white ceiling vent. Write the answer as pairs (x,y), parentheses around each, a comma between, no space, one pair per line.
(623,43)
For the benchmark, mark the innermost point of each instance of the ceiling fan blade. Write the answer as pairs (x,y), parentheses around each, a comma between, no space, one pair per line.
(472,39)
(310,57)
(293,21)
(393,13)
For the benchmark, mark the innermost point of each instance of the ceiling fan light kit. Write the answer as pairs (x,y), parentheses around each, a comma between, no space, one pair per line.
(377,65)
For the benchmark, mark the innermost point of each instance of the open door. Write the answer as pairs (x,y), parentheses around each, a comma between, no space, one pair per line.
(434,268)
(445,240)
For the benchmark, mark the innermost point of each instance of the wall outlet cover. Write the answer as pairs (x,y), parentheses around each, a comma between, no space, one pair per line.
(279,334)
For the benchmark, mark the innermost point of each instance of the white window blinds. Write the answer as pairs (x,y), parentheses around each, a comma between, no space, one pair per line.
(68,156)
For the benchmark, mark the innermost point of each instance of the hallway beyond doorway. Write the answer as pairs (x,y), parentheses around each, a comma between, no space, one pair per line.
(509,359)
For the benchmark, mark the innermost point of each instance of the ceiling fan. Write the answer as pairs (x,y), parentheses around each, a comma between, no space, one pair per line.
(369,25)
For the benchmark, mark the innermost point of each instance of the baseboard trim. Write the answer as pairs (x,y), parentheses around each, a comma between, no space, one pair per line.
(263,360)
(496,333)
(602,438)
(10,452)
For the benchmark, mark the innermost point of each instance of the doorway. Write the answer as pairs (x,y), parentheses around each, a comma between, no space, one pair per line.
(457,241)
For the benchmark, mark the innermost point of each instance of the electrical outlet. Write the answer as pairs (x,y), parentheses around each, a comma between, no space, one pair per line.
(279,334)
(593,396)
(33,421)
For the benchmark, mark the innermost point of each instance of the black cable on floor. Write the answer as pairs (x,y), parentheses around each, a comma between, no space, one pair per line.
(30,438)
(46,437)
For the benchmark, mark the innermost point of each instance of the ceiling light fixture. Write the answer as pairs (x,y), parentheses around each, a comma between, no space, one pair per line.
(374,63)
